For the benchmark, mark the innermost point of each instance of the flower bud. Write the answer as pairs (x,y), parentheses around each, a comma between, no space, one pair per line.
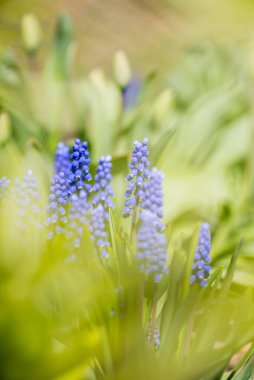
(122,69)
(31,33)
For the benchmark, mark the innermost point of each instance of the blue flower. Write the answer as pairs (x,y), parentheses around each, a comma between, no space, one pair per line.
(98,230)
(130,93)
(80,168)
(156,334)
(77,216)
(137,177)
(151,247)
(201,268)
(102,188)
(4,186)
(56,208)
(153,195)
(62,159)
(25,202)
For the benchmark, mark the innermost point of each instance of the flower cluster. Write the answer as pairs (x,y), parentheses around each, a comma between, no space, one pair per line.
(98,230)
(62,159)
(137,177)
(70,208)
(56,208)
(102,188)
(80,168)
(151,247)
(201,268)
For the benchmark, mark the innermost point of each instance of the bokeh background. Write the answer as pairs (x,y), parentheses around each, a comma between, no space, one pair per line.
(153,33)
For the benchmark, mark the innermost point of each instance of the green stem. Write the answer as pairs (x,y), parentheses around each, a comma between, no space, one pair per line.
(244,359)
(153,316)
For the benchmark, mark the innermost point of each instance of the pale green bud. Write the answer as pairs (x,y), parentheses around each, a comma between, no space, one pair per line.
(122,69)
(31,33)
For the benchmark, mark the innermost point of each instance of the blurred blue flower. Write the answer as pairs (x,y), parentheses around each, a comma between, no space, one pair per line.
(98,230)
(77,216)
(62,159)
(151,247)
(80,168)
(153,195)
(102,188)
(25,202)
(201,268)
(4,186)
(156,334)
(138,175)
(58,199)
(131,92)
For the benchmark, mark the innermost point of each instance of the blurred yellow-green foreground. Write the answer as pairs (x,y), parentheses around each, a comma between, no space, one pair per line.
(182,74)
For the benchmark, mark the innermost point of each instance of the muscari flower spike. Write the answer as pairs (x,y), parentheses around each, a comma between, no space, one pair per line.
(62,159)
(77,215)
(131,92)
(56,208)
(153,195)
(151,247)
(80,168)
(4,186)
(201,268)
(98,230)
(137,177)
(156,334)
(25,202)
(102,187)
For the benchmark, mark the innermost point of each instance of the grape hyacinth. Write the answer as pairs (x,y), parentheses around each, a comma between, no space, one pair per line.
(25,203)
(151,247)
(56,209)
(4,186)
(79,207)
(201,268)
(80,168)
(131,92)
(153,196)
(102,188)
(62,159)
(156,334)
(137,177)
(98,230)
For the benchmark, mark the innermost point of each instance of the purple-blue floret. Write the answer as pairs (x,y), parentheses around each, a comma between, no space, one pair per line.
(153,195)
(80,175)
(98,230)
(62,159)
(201,268)
(151,247)
(77,215)
(4,186)
(58,199)
(137,177)
(102,187)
